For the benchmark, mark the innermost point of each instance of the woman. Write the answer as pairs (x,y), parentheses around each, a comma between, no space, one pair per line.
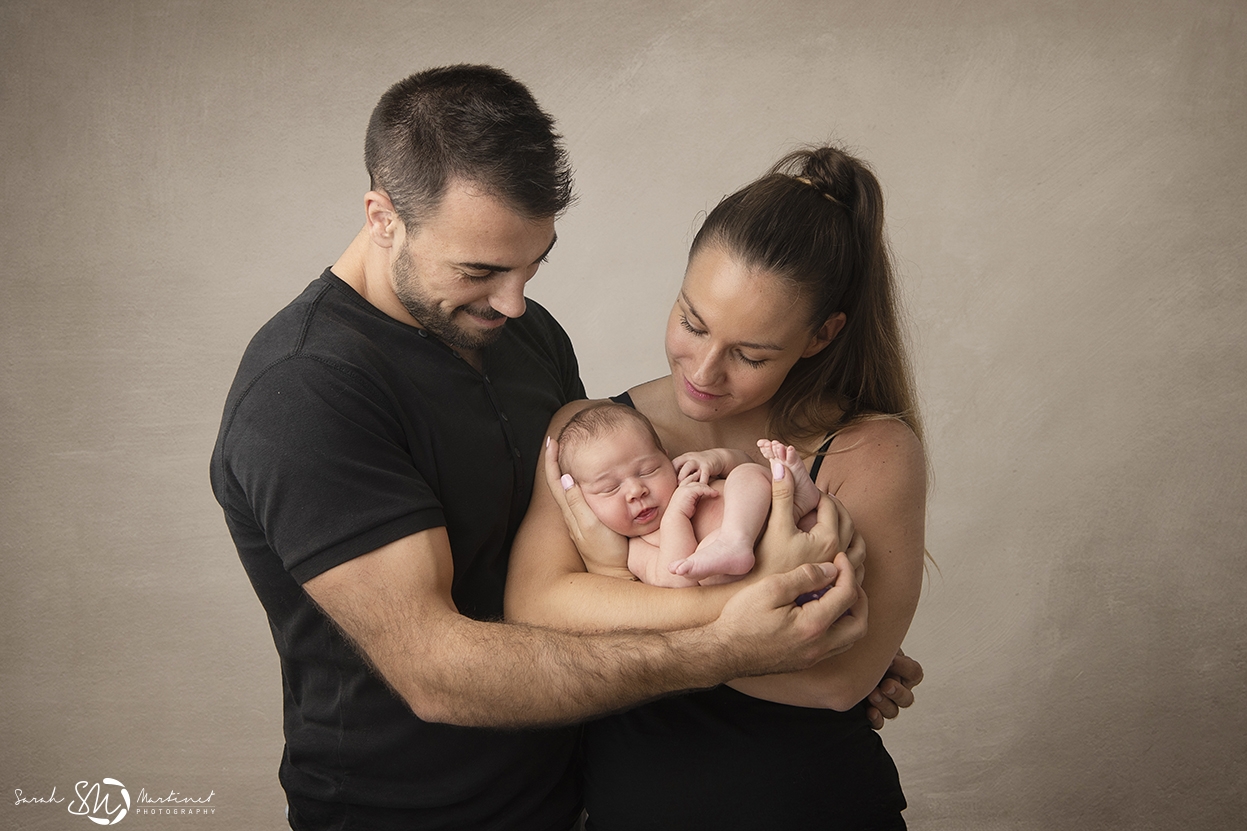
(785,327)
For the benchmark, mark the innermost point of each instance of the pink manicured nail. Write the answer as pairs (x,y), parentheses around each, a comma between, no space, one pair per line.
(777,469)
(567,481)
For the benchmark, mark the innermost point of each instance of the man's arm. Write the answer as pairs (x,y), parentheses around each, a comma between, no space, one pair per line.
(395,605)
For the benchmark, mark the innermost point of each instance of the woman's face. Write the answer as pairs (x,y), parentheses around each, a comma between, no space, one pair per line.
(733,335)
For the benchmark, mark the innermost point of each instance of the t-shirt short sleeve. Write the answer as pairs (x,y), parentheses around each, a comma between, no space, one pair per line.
(323,466)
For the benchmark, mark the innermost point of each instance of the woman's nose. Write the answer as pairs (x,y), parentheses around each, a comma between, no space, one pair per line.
(705,368)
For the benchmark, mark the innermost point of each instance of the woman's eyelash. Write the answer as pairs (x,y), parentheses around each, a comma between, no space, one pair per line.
(688,327)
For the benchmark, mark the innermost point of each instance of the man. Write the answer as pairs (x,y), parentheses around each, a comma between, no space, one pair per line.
(376,454)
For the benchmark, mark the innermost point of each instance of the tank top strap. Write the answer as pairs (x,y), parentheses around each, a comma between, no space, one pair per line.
(818,459)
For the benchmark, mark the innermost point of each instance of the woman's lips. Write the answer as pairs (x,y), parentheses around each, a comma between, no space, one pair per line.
(698,394)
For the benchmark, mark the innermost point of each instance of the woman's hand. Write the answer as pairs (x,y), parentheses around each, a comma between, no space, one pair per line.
(784,546)
(895,690)
(602,549)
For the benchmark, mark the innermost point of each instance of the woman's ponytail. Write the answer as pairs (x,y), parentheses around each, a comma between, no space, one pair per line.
(816,220)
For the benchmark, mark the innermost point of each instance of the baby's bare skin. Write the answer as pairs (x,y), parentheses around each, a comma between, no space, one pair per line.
(728,550)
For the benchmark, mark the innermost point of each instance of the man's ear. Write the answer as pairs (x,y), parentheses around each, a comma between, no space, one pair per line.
(381,218)
(825,334)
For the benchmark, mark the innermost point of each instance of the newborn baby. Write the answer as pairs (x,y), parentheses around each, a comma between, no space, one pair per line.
(686,525)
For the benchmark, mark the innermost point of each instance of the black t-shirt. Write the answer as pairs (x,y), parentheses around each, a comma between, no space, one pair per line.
(346,430)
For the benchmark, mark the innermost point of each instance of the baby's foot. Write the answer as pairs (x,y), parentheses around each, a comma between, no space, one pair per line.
(806,496)
(716,555)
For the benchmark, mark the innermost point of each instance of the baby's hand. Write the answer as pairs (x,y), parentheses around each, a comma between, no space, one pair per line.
(687,495)
(700,466)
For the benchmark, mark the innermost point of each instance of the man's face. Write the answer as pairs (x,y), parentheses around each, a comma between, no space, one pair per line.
(461,274)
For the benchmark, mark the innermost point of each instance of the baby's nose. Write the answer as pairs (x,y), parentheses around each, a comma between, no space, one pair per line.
(636,489)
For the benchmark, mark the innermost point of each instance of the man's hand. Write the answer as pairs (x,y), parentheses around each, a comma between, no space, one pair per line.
(770,632)
(766,632)
(895,690)
(601,548)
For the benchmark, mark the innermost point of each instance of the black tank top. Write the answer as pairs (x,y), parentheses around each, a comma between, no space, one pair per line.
(721,760)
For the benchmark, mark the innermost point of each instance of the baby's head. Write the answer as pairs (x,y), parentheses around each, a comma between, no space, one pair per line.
(614,455)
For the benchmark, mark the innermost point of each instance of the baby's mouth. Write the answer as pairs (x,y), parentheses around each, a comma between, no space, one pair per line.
(646,515)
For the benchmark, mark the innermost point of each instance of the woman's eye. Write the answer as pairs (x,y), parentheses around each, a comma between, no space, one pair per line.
(688,327)
(750,362)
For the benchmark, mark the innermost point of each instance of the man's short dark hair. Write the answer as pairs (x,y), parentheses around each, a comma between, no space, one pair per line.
(475,123)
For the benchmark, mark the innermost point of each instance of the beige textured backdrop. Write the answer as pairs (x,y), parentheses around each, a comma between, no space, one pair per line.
(1067,195)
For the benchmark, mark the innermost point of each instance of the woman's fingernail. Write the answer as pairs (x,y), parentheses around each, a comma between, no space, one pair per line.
(777,469)
(875,697)
(567,481)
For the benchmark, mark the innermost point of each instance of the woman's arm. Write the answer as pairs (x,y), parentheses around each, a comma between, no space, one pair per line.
(547,583)
(880,476)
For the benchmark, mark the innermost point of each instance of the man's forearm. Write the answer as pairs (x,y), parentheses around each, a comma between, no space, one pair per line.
(516,675)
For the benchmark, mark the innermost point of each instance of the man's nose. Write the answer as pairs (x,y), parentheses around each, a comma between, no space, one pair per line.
(508,297)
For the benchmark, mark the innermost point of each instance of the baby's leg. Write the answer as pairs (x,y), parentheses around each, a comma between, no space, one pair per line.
(746,502)
(807,495)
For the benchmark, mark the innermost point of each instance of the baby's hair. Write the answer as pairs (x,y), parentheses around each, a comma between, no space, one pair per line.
(595,421)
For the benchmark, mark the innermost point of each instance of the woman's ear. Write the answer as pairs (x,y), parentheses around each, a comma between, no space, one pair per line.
(825,334)
(382,220)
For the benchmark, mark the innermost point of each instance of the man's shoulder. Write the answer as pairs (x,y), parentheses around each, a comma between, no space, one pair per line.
(325,324)
(319,343)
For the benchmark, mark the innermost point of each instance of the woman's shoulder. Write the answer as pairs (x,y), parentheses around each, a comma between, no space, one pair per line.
(652,396)
(875,447)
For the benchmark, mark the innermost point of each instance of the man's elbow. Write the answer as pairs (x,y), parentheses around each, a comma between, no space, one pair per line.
(435,707)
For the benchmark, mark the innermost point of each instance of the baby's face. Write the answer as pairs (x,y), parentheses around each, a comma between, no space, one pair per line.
(626,480)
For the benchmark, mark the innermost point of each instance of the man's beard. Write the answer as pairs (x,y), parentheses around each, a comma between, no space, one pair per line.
(438,323)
